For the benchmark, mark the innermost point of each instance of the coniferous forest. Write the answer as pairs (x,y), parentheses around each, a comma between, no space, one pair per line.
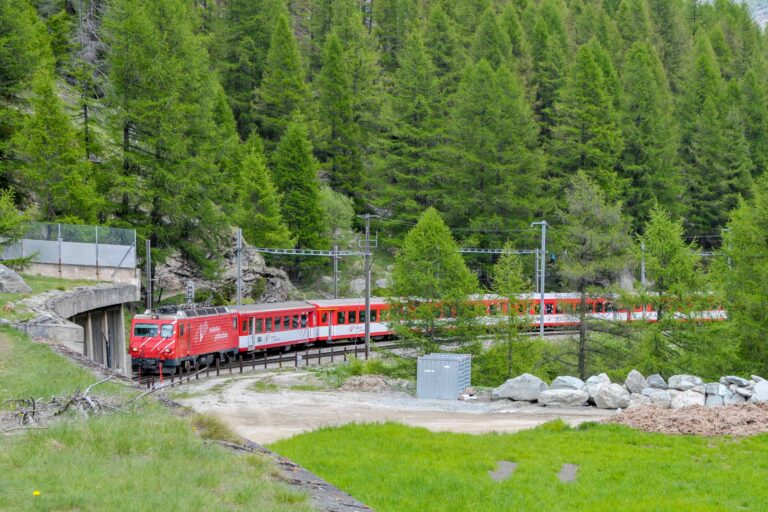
(182,118)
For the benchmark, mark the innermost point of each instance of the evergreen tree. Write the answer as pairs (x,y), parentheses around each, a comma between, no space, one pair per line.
(586,136)
(595,247)
(491,42)
(13,223)
(444,48)
(390,19)
(754,108)
(650,161)
(245,39)
(431,277)
(339,148)
(321,21)
(282,91)
(520,48)
(24,45)
(634,21)
(260,215)
(295,171)
(549,63)
(54,171)
(673,40)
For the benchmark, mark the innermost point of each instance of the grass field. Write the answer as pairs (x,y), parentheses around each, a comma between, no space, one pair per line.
(39,284)
(397,468)
(144,459)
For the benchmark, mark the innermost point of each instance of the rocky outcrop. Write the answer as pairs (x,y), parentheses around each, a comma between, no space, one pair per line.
(11,282)
(260,282)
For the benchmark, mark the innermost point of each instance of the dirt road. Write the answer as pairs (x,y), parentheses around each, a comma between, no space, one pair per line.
(268,407)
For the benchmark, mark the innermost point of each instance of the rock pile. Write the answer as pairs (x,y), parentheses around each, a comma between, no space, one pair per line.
(636,391)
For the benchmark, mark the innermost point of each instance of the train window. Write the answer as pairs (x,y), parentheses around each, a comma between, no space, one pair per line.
(373,315)
(166,331)
(245,326)
(295,322)
(548,308)
(340,318)
(608,307)
(303,320)
(286,323)
(352,317)
(324,320)
(234,323)
(145,330)
(493,309)
(268,327)
(181,330)
(259,323)
(278,322)
(362,316)
(598,307)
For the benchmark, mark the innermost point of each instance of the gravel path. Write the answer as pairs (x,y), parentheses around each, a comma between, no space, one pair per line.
(265,417)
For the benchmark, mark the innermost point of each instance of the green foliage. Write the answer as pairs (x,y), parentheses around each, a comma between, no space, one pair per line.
(13,223)
(419,475)
(24,45)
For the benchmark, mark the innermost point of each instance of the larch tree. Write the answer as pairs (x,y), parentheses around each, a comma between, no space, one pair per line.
(549,73)
(295,172)
(595,247)
(24,45)
(283,90)
(260,213)
(430,280)
(491,43)
(650,159)
(754,108)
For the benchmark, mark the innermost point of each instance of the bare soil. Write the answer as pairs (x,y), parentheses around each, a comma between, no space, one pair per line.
(265,417)
(733,420)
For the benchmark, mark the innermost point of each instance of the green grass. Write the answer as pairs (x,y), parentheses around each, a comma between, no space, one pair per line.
(264,386)
(144,459)
(392,467)
(39,284)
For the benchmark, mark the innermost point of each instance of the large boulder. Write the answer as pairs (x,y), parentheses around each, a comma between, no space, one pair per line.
(660,398)
(733,379)
(687,399)
(563,397)
(567,383)
(11,282)
(714,401)
(732,398)
(684,382)
(594,383)
(760,392)
(526,388)
(715,389)
(757,378)
(638,400)
(612,396)
(656,381)
(635,382)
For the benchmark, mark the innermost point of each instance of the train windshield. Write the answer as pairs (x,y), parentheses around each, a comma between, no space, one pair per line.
(145,330)
(166,331)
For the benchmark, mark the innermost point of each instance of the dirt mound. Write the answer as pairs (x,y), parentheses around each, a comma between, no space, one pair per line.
(375,383)
(733,420)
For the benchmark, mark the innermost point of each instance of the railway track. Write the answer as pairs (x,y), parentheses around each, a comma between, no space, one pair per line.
(297,358)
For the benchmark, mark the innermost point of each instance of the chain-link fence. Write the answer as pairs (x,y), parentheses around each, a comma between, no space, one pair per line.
(70,244)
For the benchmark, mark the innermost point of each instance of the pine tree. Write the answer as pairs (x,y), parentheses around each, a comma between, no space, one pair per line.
(339,149)
(673,40)
(390,19)
(431,275)
(650,161)
(54,170)
(634,21)
(520,48)
(24,45)
(586,136)
(295,171)
(595,247)
(282,91)
(444,48)
(260,215)
(754,108)
(549,63)
(245,39)
(321,21)
(491,42)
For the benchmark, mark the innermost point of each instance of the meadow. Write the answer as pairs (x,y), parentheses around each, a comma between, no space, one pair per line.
(395,468)
(141,459)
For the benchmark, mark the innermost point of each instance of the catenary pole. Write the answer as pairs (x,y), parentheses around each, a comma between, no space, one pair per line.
(149,274)
(239,266)
(543,267)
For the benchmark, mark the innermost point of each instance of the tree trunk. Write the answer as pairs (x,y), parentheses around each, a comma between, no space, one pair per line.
(583,337)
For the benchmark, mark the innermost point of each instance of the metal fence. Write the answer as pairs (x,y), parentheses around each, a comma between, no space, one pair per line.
(70,244)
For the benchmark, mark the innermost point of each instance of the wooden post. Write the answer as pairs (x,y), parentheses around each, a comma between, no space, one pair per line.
(218,366)
(240,357)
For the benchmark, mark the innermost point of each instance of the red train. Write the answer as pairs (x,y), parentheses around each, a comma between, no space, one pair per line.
(173,336)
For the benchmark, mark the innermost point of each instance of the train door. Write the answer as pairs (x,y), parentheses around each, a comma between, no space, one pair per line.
(326,319)
(182,335)
(251,333)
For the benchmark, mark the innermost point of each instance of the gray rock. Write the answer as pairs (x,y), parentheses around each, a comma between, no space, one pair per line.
(526,388)
(757,378)
(11,282)
(567,383)
(382,283)
(760,393)
(593,384)
(687,399)
(698,389)
(661,398)
(684,382)
(638,400)
(715,389)
(732,379)
(714,401)
(635,382)
(733,399)
(357,285)
(562,397)
(657,381)
(746,393)
(612,396)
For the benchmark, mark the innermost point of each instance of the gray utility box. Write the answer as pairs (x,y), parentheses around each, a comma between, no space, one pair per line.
(443,376)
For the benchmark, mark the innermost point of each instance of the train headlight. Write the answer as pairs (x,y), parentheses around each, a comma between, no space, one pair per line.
(167,351)
(135,349)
